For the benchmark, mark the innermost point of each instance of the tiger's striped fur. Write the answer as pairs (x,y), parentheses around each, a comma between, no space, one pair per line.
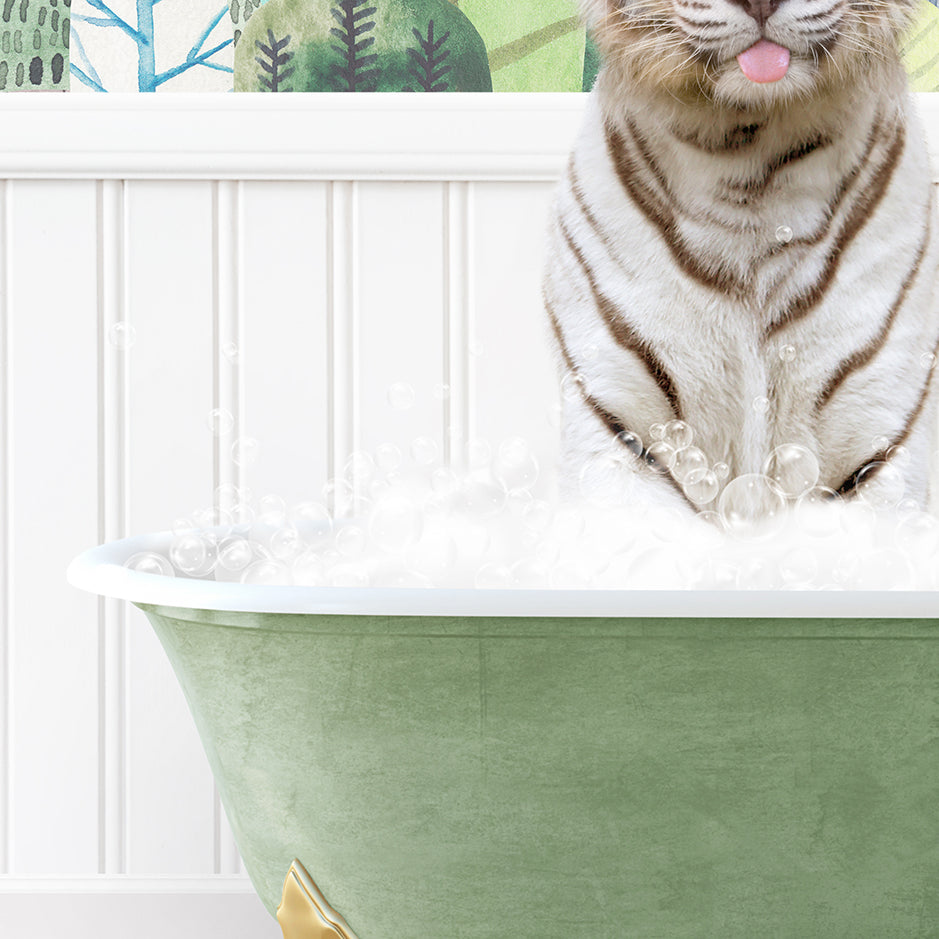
(670,294)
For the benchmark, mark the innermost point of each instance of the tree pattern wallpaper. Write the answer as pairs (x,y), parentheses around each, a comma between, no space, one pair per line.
(276,46)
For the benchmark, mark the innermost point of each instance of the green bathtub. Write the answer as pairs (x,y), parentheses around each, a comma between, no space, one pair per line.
(446,765)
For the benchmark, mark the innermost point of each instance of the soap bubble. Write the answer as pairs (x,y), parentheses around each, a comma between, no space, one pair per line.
(515,465)
(339,495)
(899,456)
(266,572)
(192,554)
(793,469)
(122,336)
(678,434)
(701,486)
(226,495)
(687,461)
(927,361)
(590,352)
(784,234)
(517,501)
(881,443)
(395,524)
(149,562)
(572,386)
(425,451)
(272,508)
(235,554)
(388,457)
(220,421)
(482,496)
(761,404)
(479,453)
(880,485)
(286,543)
(721,471)
(657,432)
(401,396)
(787,353)
(629,441)
(663,456)
(359,469)
(751,507)
(245,451)
(232,353)
(313,523)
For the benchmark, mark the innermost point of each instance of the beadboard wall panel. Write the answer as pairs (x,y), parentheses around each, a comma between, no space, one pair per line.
(169,295)
(52,474)
(513,385)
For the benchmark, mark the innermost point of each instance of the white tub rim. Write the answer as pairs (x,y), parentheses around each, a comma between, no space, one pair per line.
(101,570)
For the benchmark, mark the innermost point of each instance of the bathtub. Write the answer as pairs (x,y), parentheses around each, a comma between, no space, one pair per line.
(429,764)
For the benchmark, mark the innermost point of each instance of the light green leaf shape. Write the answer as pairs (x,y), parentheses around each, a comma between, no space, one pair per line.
(920,50)
(313,43)
(534,45)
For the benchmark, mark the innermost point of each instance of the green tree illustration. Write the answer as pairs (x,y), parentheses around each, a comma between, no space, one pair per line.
(274,59)
(428,68)
(354,71)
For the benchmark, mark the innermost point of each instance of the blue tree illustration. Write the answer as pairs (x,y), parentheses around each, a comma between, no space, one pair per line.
(143,35)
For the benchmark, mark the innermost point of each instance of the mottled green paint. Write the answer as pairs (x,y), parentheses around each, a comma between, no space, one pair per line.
(309,26)
(551,63)
(549,778)
(34,45)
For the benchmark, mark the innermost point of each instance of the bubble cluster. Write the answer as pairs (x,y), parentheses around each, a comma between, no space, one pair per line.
(408,520)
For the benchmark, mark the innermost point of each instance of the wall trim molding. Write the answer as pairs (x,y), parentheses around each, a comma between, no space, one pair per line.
(314,136)
(255,136)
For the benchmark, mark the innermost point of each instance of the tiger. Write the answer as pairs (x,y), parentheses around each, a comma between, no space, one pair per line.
(743,247)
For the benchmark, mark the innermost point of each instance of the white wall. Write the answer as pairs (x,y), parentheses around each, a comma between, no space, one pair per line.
(343,246)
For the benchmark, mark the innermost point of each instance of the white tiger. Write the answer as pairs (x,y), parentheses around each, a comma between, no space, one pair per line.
(745,241)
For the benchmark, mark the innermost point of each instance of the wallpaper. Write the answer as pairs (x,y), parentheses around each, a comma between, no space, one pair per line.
(321,45)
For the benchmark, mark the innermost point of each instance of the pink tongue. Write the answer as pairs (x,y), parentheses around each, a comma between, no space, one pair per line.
(764,61)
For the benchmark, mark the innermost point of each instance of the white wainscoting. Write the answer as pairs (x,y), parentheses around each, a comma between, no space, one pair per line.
(342,244)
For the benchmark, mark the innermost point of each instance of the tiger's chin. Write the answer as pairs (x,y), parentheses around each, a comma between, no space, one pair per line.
(731,88)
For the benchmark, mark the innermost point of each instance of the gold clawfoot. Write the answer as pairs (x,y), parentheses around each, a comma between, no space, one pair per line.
(304,913)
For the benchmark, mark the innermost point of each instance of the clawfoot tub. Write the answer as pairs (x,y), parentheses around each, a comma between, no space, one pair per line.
(429,764)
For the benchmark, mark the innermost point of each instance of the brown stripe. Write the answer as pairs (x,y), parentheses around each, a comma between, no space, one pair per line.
(859,214)
(849,486)
(613,424)
(860,358)
(664,220)
(737,138)
(585,210)
(757,186)
(624,334)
